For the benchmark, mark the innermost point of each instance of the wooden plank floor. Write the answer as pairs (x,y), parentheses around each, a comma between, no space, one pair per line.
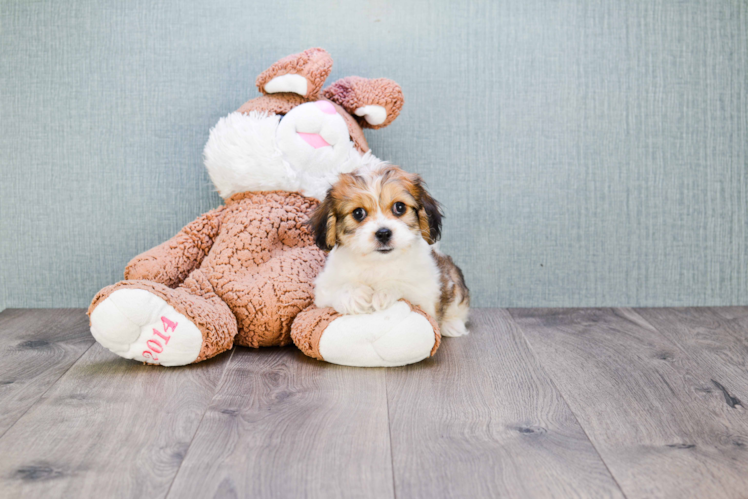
(533,403)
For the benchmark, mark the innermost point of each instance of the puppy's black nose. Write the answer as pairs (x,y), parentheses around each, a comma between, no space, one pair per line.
(383,235)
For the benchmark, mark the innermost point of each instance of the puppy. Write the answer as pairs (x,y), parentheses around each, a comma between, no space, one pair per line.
(380,227)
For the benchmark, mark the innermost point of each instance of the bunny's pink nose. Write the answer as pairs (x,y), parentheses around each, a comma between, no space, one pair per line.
(326,107)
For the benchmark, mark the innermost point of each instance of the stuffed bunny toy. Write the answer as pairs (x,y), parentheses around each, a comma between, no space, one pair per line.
(244,272)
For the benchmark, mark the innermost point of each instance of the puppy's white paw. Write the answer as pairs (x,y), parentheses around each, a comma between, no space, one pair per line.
(355,301)
(383,299)
(137,324)
(453,328)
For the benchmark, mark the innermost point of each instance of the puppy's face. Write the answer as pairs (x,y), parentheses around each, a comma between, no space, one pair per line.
(377,213)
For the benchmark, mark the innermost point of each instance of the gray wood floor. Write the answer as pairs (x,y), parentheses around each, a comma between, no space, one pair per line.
(534,403)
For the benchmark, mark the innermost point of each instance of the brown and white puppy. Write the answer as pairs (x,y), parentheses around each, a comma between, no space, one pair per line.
(380,227)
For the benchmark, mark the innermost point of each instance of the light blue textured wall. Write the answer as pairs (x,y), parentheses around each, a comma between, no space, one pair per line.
(587,153)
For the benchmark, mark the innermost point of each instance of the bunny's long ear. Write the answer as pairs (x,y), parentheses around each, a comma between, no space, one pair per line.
(375,102)
(303,74)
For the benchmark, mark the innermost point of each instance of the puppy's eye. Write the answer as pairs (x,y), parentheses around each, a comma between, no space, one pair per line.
(359,214)
(398,208)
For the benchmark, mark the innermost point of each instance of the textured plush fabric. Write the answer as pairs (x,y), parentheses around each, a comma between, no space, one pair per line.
(313,64)
(587,153)
(354,92)
(172,261)
(266,264)
(308,327)
(250,265)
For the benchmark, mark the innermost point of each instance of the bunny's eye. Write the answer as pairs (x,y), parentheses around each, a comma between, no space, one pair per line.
(359,214)
(398,208)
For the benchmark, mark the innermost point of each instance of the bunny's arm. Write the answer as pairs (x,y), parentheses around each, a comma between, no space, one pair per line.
(172,261)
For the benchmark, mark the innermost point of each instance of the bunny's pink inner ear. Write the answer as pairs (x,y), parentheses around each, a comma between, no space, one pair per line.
(302,74)
(375,103)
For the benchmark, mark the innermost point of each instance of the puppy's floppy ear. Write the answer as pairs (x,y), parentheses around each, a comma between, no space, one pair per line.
(429,213)
(322,223)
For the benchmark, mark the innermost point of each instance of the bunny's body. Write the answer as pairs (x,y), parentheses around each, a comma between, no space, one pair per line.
(244,272)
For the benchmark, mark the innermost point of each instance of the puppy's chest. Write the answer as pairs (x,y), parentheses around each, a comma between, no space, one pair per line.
(416,279)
